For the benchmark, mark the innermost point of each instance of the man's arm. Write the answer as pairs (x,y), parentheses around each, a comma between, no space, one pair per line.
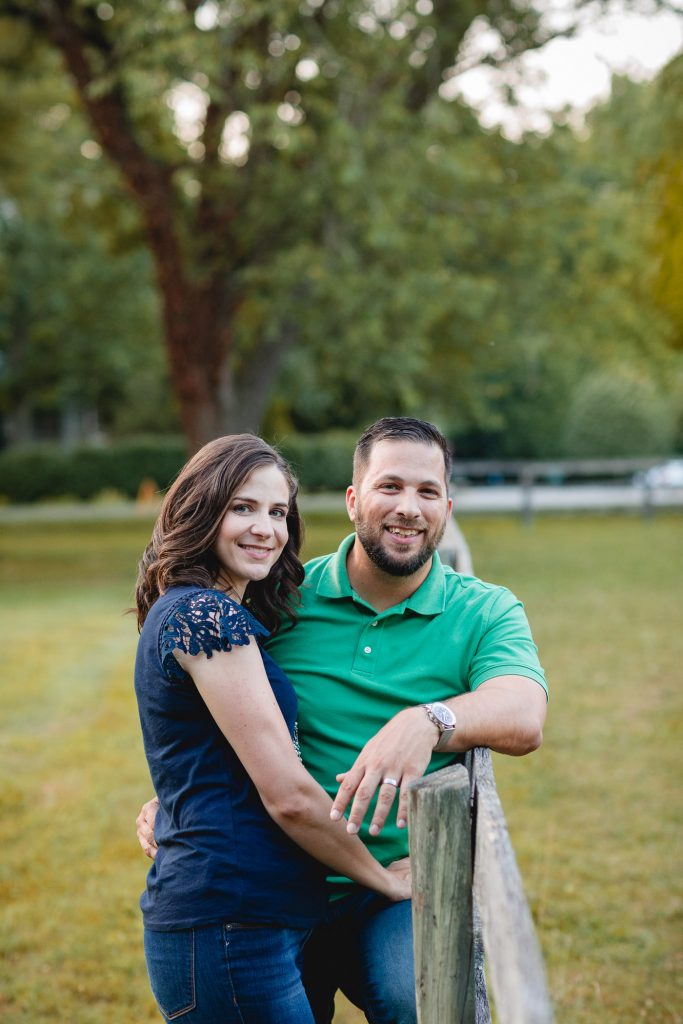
(505,713)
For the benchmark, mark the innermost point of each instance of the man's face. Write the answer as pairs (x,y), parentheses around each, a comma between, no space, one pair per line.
(400,505)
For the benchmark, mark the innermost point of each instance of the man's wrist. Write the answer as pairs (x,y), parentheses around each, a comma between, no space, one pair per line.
(444,721)
(441,745)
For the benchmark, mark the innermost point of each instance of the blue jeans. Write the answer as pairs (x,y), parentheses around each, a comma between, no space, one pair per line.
(364,948)
(229,974)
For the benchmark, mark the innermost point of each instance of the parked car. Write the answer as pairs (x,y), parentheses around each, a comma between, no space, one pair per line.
(668,474)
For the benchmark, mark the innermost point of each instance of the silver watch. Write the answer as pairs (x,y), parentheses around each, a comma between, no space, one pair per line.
(442,717)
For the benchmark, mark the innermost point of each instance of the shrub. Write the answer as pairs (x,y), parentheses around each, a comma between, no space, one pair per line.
(322,462)
(615,414)
(38,473)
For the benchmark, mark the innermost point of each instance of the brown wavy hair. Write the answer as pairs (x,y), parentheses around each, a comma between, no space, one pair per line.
(181,551)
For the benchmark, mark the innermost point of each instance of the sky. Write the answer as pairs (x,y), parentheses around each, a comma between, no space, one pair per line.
(571,72)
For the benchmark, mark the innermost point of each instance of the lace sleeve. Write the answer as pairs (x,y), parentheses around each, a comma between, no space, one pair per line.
(204,622)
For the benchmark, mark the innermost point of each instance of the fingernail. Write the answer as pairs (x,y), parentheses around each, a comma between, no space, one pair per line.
(401,822)
(335,815)
(374,830)
(351,828)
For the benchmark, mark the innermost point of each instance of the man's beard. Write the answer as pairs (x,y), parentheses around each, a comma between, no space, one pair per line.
(379,556)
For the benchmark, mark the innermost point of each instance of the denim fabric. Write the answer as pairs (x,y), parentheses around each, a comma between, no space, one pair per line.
(364,948)
(228,974)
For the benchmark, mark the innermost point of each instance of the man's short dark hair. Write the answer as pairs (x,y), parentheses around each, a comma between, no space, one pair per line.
(399,428)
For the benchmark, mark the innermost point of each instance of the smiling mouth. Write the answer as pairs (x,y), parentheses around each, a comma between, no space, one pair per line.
(254,550)
(402,531)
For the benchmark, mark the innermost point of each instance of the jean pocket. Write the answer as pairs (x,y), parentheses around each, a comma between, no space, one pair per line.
(170,965)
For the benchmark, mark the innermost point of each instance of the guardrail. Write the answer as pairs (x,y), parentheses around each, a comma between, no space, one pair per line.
(470,915)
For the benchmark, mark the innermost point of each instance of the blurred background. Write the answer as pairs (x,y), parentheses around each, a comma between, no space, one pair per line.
(295,217)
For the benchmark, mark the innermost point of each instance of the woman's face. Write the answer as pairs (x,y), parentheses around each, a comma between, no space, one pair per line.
(254,529)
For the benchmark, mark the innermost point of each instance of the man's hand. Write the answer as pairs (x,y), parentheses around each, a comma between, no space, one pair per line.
(145,827)
(400,751)
(505,713)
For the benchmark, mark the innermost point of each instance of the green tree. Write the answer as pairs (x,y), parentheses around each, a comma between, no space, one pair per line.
(618,414)
(578,233)
(245,132)
(79,320)
(668,281)
(75,340)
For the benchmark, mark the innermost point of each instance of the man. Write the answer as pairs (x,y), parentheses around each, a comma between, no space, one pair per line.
(400,664)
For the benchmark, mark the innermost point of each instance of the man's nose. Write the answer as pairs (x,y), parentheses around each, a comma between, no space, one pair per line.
(408,505)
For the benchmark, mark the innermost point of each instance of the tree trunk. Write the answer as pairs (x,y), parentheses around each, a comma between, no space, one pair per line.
(214,397)
(197,346)
(197,314)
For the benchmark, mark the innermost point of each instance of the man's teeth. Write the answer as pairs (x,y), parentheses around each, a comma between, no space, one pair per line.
(400,532)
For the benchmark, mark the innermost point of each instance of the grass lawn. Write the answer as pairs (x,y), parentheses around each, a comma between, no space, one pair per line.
(595,815)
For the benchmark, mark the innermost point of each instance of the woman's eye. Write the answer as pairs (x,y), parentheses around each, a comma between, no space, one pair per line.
(279,513)
(240,508)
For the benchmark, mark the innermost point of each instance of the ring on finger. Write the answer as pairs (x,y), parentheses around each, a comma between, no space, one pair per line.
(388,781)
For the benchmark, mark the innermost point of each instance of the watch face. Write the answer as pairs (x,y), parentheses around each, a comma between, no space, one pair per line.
(444,714)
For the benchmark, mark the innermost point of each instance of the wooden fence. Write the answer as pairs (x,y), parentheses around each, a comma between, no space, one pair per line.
(527,471)
(528,474)
(471,920)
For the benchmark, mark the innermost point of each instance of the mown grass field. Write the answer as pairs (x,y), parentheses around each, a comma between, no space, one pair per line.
(595,815)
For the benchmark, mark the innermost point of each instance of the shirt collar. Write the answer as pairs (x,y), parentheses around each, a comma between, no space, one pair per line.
(428,599)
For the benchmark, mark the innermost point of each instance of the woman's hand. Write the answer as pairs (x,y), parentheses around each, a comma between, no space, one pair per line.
(399,880)
(145,827)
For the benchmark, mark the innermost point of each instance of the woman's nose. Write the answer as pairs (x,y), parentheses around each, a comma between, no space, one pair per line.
(262,525)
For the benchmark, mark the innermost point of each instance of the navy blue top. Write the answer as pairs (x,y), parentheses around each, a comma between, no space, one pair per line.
(221,856)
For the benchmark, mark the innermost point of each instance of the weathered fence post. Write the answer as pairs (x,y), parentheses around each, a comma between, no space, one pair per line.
(441,856)
(647,507)
(454,550)
(468,901)
(513,957)
(526,482)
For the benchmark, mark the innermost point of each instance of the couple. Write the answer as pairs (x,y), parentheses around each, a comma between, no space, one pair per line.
(375,639)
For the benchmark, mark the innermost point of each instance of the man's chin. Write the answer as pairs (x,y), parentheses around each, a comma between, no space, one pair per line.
(389,563)
(406,568)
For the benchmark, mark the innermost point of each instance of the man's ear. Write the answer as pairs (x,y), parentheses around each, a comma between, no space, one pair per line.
(351,503)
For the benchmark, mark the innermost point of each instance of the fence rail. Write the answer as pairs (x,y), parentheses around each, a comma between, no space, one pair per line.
(528,470)
(469,907)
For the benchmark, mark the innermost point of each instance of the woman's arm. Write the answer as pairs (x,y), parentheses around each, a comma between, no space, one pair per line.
(236,690)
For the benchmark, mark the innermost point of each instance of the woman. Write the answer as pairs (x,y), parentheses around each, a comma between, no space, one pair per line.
(242,829)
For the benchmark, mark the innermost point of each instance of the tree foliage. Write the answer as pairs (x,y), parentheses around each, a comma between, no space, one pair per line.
(330,239)
(245,199)
(79,325)
(668,116)
(618,413)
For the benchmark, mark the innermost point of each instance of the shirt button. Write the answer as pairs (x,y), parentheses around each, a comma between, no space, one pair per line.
(367,650)
(374,623)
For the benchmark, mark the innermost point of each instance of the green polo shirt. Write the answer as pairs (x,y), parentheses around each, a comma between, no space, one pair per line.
(353,668)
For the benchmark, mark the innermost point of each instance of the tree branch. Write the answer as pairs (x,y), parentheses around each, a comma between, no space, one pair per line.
(149,180)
